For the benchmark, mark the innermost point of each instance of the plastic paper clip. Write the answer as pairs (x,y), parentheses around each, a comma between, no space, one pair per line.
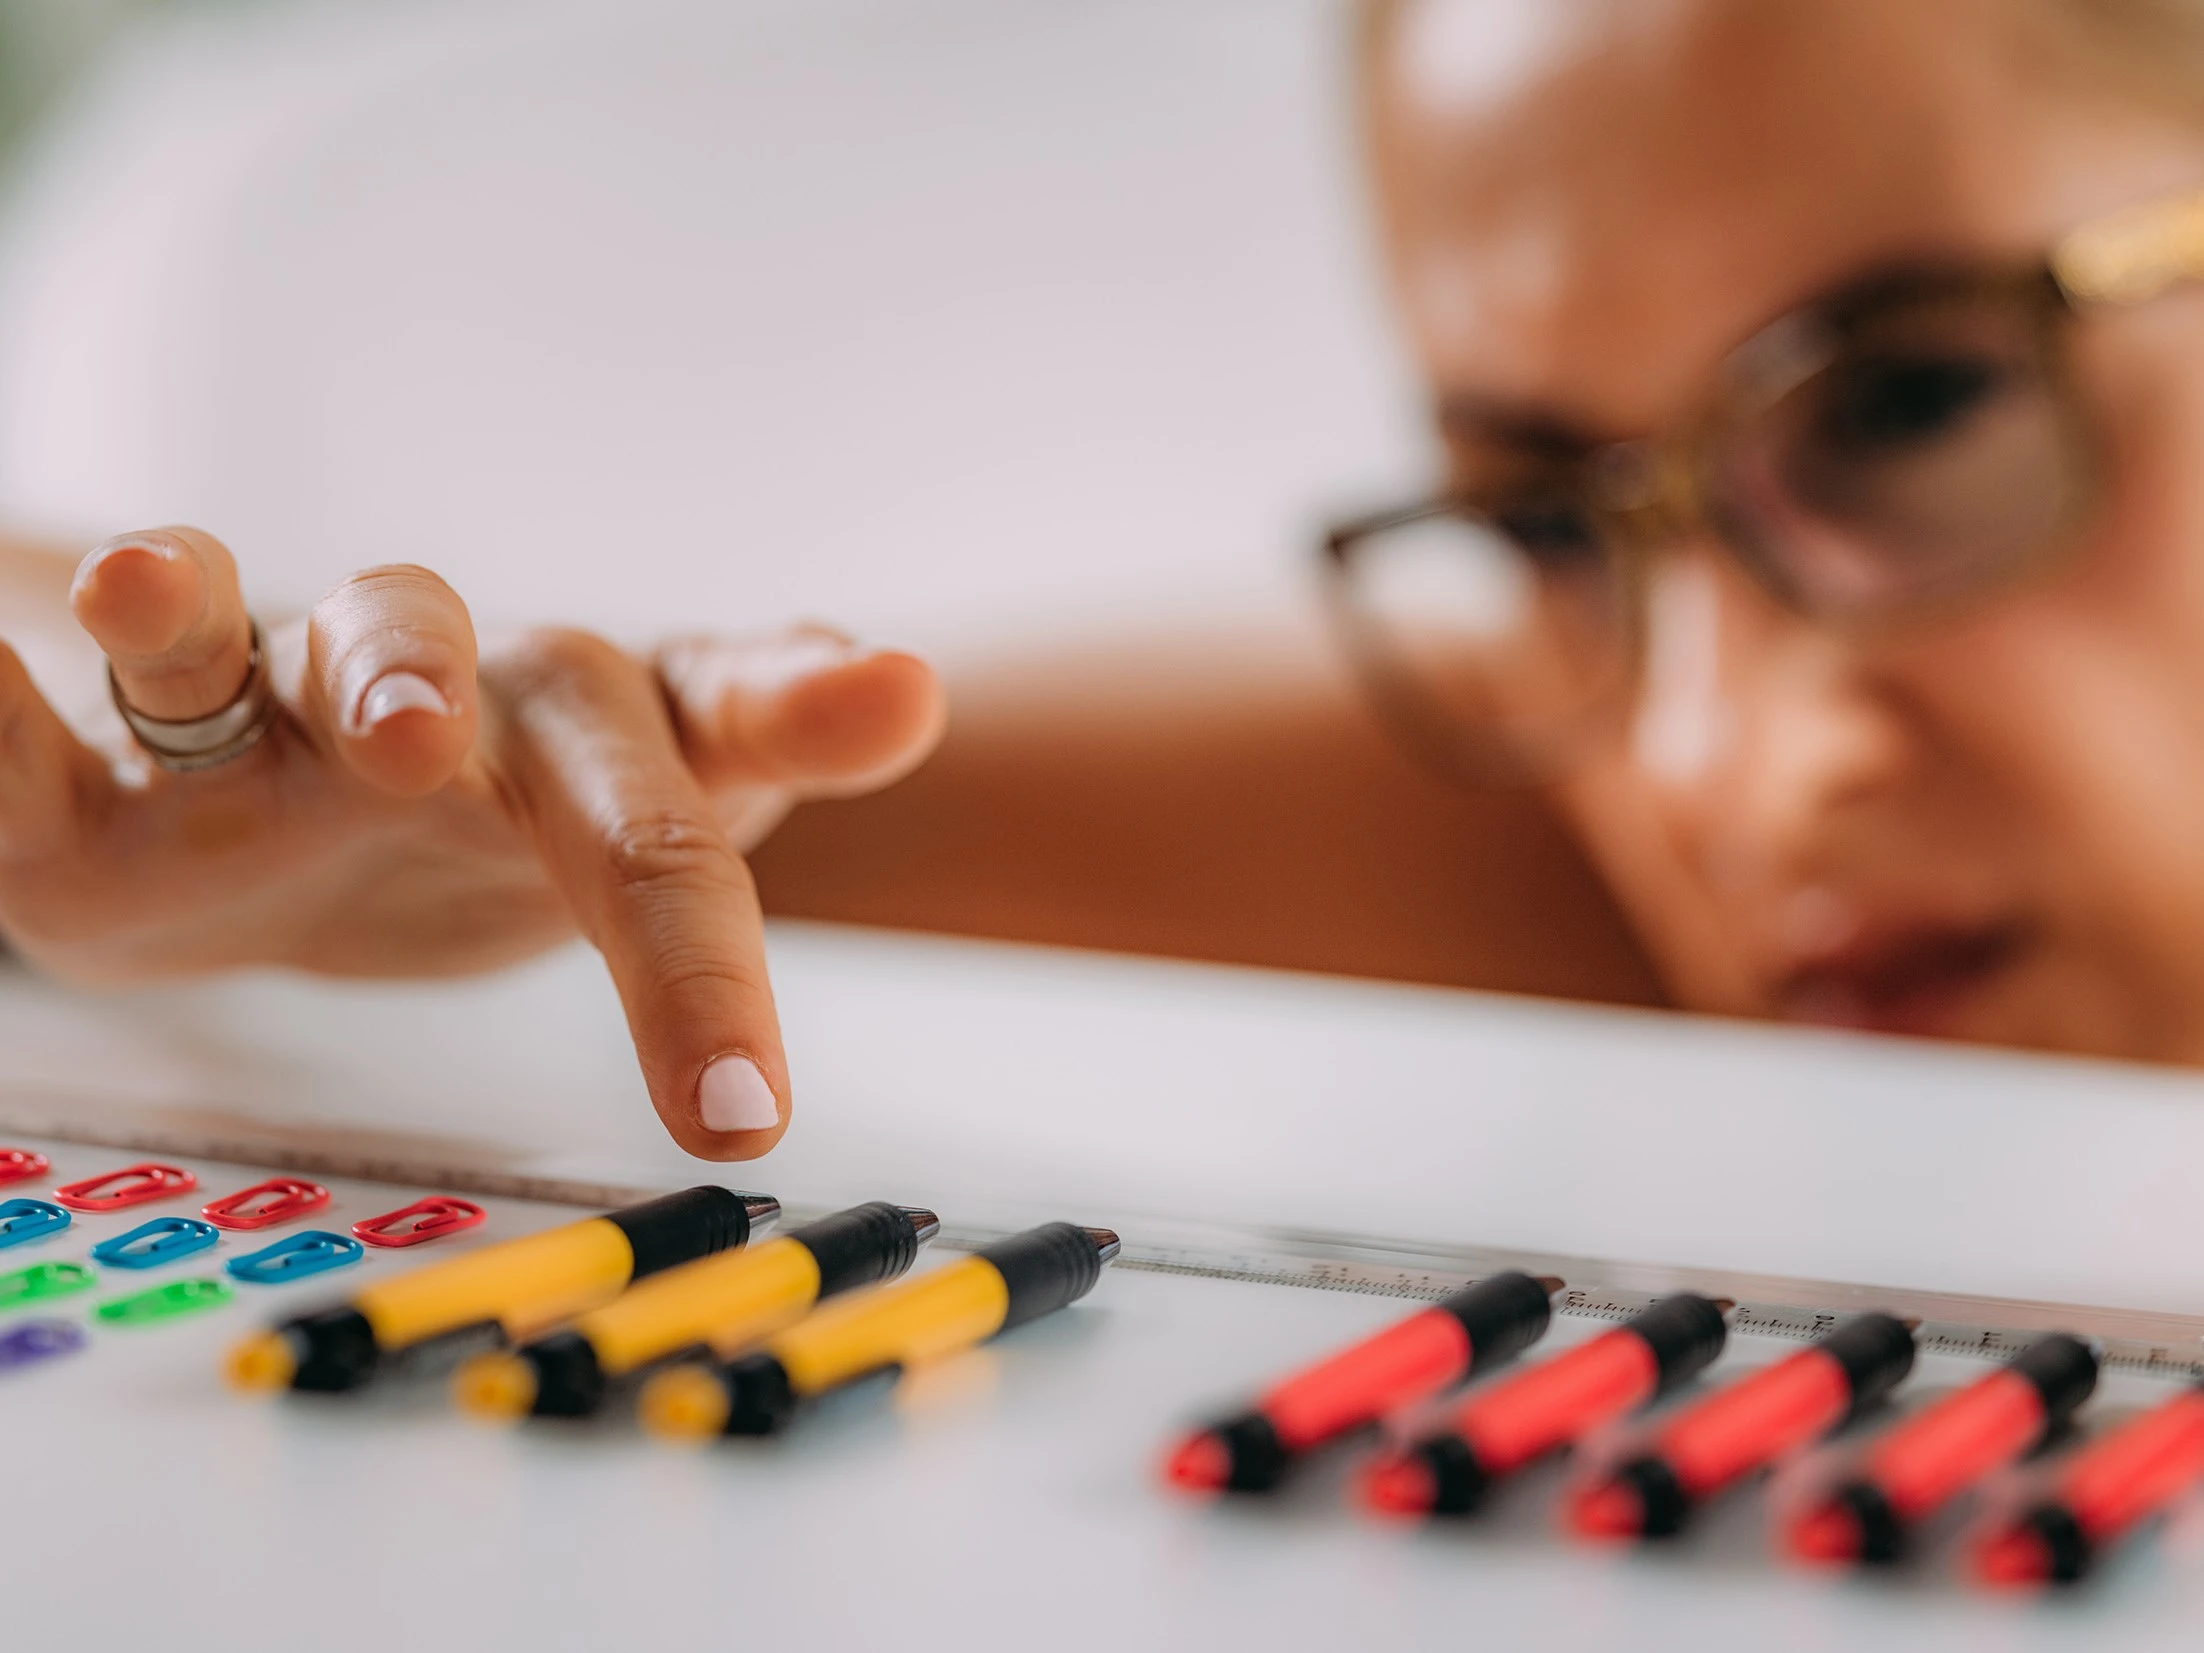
(431,1219)
(295,1256)
(20,1165)
(132,1185)
(265,1204)
(163,1302)
(41,1281)
(37,1340)
(151,1244)
(22,1220)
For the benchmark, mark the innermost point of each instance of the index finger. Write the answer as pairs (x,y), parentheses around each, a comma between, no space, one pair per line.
(631,840)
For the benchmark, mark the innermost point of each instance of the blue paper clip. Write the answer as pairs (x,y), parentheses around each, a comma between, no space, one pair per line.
(316,1251)
(37,1340)
(151,1244)
(22,1220)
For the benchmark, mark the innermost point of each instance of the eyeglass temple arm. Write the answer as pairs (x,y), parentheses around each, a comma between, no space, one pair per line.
(2133,255)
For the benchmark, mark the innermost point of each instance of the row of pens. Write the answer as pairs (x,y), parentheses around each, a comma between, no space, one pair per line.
(1869,1506)
(668,1308)
(666,1305)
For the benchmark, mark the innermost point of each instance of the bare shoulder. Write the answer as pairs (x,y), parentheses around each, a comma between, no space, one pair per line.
(1214,798)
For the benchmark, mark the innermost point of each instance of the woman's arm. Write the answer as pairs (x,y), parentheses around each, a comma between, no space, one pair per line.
(1214,801)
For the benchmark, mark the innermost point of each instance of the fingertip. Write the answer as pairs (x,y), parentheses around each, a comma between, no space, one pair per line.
(859,724)
(737,1114)
(139,594)
(407,734)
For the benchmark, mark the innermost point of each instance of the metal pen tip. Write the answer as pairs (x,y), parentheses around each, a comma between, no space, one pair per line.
(924,1224)
(1106,1242)
(764,1209)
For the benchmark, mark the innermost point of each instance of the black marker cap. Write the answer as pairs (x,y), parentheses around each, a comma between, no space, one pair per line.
(334,1350)
(2064,1371)
(760,1399)
(570,1383)
(1875,1352)
(2068,1547)
(1685,1332)
(1503,1315)
(866,1243)
(1882,1535)
(1458,1480)
(1047,1267)
(697,1222)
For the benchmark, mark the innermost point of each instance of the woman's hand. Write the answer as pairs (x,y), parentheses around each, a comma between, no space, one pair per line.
(423,806)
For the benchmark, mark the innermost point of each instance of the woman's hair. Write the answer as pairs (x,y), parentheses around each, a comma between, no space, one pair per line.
(2147,49)
(2139,50)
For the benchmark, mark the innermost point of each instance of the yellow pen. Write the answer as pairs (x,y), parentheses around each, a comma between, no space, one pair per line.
(951,1307)
(718,1304)
(511,1289)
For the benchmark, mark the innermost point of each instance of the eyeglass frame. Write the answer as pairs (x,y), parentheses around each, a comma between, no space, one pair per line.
(1645,493)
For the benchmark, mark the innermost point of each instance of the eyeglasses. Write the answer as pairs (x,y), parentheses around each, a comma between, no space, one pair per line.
(1885,457)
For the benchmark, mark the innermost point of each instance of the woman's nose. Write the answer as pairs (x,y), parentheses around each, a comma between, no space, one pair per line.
(1762,730)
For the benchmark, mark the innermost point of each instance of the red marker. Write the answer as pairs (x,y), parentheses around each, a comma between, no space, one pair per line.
(1745,1427)
(1940,1452)
(2103,1492)
(1409,1361)
(1506,1425)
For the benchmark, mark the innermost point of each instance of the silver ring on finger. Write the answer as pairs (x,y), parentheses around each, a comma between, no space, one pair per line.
(185,744)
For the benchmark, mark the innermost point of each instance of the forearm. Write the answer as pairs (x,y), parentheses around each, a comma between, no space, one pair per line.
(1246,809)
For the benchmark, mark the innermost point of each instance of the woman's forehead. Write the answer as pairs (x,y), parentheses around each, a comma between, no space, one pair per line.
(1588,201)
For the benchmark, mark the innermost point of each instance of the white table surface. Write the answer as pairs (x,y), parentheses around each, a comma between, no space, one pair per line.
(1006,1500)
(1002,1500)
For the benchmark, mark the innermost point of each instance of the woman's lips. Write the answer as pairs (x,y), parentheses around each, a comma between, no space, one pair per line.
(1922,980)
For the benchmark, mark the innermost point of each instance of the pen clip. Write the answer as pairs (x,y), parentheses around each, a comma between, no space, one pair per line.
(265,1204)
(424,1219)
(150,1244)
(132,1185)
(20,1165)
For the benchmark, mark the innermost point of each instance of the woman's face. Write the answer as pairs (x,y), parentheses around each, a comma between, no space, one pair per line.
(1991,831)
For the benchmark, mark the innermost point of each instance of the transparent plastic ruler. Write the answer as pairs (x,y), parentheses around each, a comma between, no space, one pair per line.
(1986,1328)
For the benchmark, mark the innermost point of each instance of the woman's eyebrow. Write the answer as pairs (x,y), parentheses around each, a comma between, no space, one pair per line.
(1517,425)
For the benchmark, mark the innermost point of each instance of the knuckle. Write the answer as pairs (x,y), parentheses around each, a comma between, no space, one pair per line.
(670,848)
(684,974)
(554,654)
(402,579)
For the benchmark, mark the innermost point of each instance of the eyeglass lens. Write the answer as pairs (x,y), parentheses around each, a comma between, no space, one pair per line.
(1915,456)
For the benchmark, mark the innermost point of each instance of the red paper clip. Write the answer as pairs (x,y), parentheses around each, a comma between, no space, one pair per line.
(265,1204)
(133,1185)
(17,1164)
(431,1219)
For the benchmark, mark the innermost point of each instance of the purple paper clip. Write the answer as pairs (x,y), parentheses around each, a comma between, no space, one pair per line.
(37,1340)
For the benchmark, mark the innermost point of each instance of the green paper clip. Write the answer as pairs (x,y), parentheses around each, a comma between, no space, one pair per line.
(163,1302)
(41,1281)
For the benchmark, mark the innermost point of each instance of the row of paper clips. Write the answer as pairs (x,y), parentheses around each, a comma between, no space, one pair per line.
(163,1240)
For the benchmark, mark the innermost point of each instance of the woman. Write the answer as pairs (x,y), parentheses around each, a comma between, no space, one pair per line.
(1815,559)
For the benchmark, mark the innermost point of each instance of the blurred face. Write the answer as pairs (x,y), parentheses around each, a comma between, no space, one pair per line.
(1990,828)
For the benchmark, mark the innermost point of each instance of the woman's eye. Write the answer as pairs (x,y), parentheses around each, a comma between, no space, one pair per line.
(1884,405)
(1550,535)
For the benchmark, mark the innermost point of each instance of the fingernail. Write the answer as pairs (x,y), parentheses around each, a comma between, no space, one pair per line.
(152,544)
(396,692)
(733,1096)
